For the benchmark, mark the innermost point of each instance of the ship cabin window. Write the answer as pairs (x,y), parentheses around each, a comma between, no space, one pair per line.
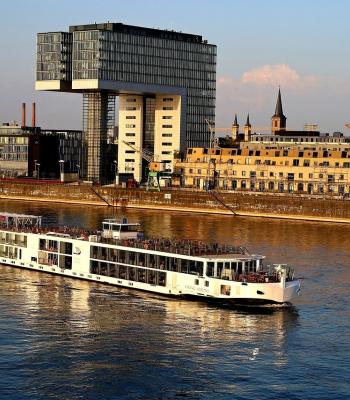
(66,248)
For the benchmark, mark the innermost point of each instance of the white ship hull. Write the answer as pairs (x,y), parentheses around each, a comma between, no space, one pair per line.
(135,264)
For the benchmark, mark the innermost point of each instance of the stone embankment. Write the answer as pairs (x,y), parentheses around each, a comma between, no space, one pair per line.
(184,200)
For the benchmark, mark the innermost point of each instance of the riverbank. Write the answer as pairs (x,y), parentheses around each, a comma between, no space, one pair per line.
(178,200)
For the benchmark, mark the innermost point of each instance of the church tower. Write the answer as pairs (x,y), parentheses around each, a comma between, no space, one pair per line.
(278,120)
(235,129)
(247,130)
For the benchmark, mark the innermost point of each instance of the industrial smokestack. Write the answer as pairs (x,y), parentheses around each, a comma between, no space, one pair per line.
(33,115)
(23,114)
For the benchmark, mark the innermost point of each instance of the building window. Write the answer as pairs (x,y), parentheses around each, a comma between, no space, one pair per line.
(130,126)
(300,175)
(168,99)
(262,173)
(130,108)
(234,172)
(129,160)
(271,174)
(311,175)
(129,134)
(167,117)
(168,108)
(130,117)
(341,176)
(190,171)
(199,171)
(166,144)
(166,152)
(167,126)
(129,151)
(131,100)
(248,161)
(281,174)
(167,135)
(321,176)
(243,173)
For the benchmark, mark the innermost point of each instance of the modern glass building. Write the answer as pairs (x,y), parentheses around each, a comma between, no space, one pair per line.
(166,81)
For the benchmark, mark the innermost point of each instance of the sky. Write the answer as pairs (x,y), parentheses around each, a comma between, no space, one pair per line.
(301,46)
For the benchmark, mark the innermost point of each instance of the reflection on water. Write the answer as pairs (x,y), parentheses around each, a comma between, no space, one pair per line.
(64,338)
(93,332)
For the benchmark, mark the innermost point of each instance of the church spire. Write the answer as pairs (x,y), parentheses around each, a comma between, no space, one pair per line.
(247,123)
(235,121)
(279,110)
(278,120)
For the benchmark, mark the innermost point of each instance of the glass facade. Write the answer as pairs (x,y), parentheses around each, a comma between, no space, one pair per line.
(124,57)
(54,56)
(98,118)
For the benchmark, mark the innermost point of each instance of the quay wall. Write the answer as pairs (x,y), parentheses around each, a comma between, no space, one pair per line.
(220,202)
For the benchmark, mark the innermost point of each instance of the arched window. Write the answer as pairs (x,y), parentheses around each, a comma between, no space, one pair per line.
(271,185)
(300,187)
(243,184)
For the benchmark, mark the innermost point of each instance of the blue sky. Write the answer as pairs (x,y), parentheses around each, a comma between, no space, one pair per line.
(301,45)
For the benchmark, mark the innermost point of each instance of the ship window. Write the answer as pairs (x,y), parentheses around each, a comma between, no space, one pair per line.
(210,269)
(219,268)
(161,278)
(66,248)
(184,266)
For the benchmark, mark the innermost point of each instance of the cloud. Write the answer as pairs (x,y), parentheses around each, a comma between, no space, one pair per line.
(272,75)
(278,75)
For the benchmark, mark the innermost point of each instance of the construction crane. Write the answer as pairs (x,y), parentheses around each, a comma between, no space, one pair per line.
(155,166)
(208,121)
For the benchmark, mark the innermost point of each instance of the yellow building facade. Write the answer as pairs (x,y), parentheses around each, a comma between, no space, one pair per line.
(324,172)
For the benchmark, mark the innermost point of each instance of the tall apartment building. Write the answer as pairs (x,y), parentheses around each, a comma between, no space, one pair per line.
(166,82)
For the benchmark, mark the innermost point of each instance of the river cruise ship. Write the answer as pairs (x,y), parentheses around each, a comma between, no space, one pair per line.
(120,255)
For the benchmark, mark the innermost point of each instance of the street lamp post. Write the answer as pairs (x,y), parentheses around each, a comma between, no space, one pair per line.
(38,165)
(115,162)
(61,169)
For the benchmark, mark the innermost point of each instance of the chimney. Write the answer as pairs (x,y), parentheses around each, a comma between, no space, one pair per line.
(23,114)
(33,115)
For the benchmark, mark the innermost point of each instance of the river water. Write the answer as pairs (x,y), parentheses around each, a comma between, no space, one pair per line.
(71,339)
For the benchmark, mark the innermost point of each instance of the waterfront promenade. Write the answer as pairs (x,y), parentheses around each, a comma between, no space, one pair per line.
(183,200)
